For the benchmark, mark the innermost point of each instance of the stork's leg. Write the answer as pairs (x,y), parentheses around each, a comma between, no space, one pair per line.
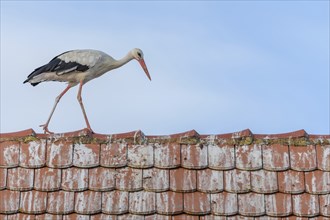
(45,126)
(82,107)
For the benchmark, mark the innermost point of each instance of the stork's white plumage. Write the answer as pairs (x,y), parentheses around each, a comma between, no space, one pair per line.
(79,67)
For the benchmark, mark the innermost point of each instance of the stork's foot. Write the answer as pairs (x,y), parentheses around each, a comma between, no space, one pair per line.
(45,128)
(89,131)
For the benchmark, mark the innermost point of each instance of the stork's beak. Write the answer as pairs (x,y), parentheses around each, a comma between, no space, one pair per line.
(144,66)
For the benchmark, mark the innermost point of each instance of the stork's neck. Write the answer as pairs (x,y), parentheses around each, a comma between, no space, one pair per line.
(122,61)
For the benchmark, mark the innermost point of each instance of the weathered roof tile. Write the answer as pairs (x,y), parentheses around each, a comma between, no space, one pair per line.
(263,181)
(291,181)
(317,182)
(59,154)
(167,155)
(86,155)
(169,203)
(157,180)
(114,155)
(33,202)
(248,157)
(20,179)
(197,203)
(129,179)
(33,154)
(303,158)
(115,202)
(305,205)
(325,205)
(275,157)
(47,179)
(60,202)
(142,202)
(3,178)
(74,179)
(183,180)
(194,156)
(278,204)
(221,157)
(140,156)
(210,181)
(101,179)
(224,203)
(88,202)
(9,154)
(237,181)
(9,201)
(323,157)
(251,204)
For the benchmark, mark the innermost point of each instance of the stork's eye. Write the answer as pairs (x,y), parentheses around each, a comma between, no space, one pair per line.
(139,54)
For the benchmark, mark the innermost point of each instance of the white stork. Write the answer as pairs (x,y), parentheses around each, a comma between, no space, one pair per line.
(78,67)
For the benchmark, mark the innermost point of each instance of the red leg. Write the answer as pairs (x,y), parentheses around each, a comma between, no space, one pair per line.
(82,107)
(45,126)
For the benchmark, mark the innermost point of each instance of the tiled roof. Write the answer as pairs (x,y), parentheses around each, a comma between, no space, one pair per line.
(239,175)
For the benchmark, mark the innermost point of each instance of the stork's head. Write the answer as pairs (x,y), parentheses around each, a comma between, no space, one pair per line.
(138,55)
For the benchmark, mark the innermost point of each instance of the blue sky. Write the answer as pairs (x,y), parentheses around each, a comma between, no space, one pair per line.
(217,66)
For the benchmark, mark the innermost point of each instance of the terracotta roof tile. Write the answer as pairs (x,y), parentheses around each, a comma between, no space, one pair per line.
(209,181)
(86,155)
(323,157)
(115,202)
(305,205)
(303,158)
(140,156)
(239,175)
(157,180)
(185,217)
(74,179)
(88,202)
(9,154)
(129,179)
(248,157)
(3,178)
(197,203)
(291,182)
(325,205)
(183,180)
(60,202)
(114,155)
(33,202)
(317,182)
(142,202)
(47,179)
(158,217)
(169,203)
(237,181)
(194,156)
(278,204)
(263,181)
(275,157)
(224,203)
(33,154)
(102,216)
(48,216)
(9,201)
(20,179)
(167,155)
(101,179)
(221,157)
(251,204)
(60,154)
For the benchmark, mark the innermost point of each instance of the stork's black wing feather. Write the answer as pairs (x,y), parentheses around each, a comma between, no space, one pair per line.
(57,65)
